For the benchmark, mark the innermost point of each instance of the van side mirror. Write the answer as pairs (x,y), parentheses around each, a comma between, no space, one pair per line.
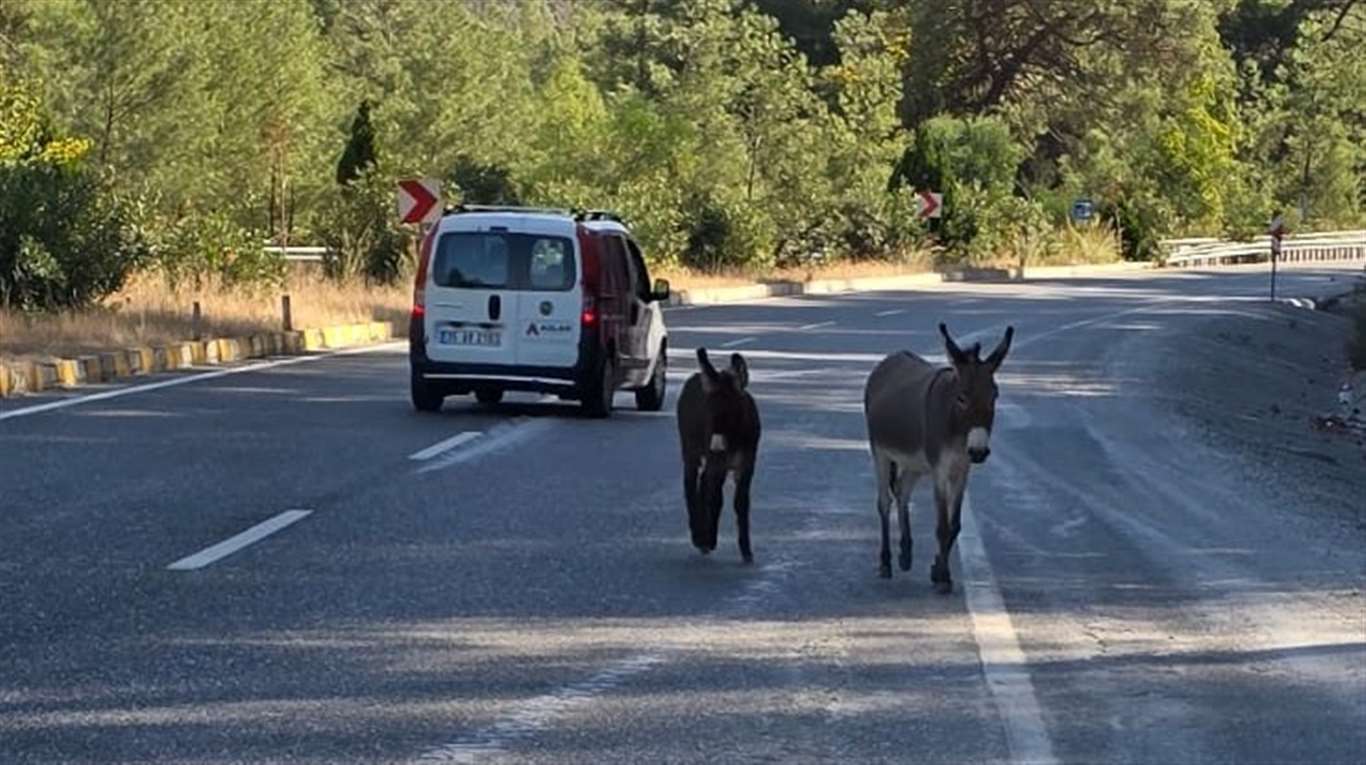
(661,290)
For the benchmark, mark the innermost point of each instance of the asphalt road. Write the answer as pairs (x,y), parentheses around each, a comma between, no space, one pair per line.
(528,594)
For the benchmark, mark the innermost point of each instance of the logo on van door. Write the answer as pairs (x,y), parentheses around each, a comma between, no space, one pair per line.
(536,329)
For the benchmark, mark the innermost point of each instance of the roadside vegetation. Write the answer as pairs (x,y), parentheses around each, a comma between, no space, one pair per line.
(148,148)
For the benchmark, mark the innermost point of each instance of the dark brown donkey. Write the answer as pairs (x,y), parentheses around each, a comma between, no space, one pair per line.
(718,426)
(928,420)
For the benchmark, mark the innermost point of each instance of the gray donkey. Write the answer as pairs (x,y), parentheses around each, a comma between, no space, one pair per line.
(718,427)
(928,420)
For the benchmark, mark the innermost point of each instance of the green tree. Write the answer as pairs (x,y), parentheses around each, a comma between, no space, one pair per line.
(359,155)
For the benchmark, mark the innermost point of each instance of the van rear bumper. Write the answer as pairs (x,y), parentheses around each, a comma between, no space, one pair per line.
(464,378)
(459,377)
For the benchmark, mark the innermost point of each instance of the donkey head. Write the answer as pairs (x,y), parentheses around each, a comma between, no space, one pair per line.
(725,392)
(975,396)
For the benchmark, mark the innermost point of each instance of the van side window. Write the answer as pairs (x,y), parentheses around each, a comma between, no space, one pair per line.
(640,274)
(620,275)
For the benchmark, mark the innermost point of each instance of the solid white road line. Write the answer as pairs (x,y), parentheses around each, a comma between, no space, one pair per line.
(817,325)
(448,444)
(1003,663)
(893,312)
(741,341)
(128,391)
(234,543)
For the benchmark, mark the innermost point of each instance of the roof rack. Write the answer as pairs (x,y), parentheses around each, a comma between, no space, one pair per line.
(583,215)
(464,208)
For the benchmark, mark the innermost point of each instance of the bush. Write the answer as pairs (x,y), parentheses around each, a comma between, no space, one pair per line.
(212,247)
(972,162)
(721,234)
(65,241)
(361,233)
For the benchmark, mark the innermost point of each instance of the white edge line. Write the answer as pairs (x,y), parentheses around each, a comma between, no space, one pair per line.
(236,542)
(817,325)
(449,443)
(1003,663)
(741,341)
(893,312)
(104,395)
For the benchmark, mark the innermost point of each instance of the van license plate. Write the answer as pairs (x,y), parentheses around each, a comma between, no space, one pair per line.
(481,337)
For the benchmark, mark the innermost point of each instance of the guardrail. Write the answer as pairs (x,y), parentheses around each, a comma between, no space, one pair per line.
(300,254)
(1303,248)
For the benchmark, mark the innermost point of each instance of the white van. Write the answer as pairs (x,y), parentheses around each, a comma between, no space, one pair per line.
(525,299)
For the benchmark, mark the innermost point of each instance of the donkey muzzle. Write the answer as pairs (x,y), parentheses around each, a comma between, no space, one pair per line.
(978,448)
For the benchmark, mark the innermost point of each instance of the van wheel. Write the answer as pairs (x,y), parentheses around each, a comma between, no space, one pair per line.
(488,396)
(651,397)
(597,397)
(426,397)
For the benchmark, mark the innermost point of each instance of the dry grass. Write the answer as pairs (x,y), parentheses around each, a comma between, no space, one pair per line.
(149,313)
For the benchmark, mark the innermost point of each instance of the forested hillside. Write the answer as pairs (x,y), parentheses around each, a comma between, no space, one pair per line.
(177,135)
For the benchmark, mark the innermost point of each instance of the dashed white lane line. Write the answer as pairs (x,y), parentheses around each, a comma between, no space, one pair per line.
(237,542)
(531,716)
(741,341)
(1003,663)
(130,390)
(893,312)
(483,443)
(817,325)
(444,446)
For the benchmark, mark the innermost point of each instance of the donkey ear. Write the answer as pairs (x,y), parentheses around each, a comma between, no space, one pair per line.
(740,369)
(956,354)
(999,355)
(710,377)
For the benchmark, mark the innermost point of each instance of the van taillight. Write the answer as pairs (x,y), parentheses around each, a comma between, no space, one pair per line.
(424,257)
(590,312)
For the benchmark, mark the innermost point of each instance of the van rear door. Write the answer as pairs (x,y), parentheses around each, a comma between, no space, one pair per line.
(472,298)
(550,302)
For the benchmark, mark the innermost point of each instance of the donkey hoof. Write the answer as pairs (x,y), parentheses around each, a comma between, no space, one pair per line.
(944,587)
(905,561)
(704,549)
(747,559)
(939,574)
(885,570)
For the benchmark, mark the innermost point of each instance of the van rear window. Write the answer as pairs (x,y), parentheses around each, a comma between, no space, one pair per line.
(503,260)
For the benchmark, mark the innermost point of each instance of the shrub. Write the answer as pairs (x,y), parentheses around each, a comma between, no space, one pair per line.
(361,232)
(65,240)
(205,247)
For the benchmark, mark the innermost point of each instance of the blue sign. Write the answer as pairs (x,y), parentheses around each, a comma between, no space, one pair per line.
(1082,210)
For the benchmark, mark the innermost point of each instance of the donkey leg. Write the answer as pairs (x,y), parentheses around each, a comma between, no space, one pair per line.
(713,497)
(883,468)
(902,486)
(742,482)
(692,468)
(939,573)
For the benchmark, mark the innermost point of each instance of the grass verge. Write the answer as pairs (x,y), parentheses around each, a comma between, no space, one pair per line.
(148,312)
